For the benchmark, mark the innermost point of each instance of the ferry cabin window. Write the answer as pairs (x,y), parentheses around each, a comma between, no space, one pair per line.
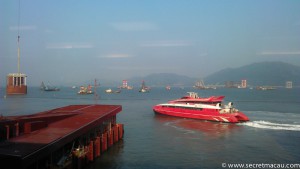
(189,108)
(203,102)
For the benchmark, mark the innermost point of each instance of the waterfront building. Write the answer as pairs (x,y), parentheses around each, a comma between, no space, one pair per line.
(289,84)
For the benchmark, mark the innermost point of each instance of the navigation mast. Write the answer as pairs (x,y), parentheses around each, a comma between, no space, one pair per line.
(16,82)
(19,18)
(96,96)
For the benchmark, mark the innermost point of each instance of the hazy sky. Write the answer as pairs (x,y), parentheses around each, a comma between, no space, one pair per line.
(72,42)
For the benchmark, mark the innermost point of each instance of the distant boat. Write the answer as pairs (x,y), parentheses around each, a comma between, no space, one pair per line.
(111,91)
(48,88)
(129,87)
(108,91)
(144,88)
(125,85)
(265,88)
(85,90)
(168,87)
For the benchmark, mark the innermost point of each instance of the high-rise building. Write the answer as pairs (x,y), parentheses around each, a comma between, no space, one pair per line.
(244,83)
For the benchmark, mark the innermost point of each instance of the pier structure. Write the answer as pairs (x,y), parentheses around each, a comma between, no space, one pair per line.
(16,84)
(66,137)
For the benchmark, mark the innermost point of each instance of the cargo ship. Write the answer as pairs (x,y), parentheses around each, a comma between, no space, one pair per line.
(65,137)
(195,107)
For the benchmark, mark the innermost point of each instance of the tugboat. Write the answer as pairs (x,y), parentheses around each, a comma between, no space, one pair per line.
(195,107)
(144,88)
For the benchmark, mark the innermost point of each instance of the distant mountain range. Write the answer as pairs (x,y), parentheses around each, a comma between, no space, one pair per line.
(263,73)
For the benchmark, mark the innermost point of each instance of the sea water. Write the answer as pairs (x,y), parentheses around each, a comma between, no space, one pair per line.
(272,136)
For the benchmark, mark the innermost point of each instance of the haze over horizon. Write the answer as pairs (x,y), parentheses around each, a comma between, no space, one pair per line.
(71,42)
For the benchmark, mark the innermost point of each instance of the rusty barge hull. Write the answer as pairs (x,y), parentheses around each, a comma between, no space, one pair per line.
(29,139)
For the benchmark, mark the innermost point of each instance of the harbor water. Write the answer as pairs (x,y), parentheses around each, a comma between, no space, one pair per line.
(155,141)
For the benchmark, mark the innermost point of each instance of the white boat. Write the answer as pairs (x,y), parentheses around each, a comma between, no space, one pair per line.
(111,91)
(143,90)
(108,91)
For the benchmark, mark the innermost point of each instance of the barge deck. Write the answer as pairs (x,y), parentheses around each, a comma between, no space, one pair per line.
(36,140)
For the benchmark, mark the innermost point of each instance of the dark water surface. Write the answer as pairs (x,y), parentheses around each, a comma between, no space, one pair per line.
(156,141)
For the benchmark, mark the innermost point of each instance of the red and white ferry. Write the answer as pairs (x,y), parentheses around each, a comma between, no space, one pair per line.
(210,108)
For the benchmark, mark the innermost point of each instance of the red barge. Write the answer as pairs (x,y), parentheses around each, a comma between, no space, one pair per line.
(195,107)
(68,136)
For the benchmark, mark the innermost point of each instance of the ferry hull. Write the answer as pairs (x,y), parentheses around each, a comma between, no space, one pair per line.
(204,114)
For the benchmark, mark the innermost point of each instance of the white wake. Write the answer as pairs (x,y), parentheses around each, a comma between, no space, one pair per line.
(273,126)
(173,125)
